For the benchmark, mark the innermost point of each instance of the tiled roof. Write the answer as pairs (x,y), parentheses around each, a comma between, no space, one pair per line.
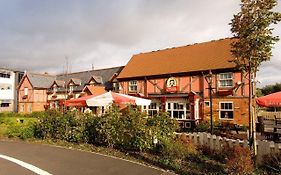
(97,79)
(59,83)
(85,76)
(76,81)
(191,58)
(40,80)
(95,90)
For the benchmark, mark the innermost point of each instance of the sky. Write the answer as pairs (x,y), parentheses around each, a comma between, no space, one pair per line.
(51,35)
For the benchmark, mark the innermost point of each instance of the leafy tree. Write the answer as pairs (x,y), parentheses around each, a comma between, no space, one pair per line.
(251,27)
(269,89)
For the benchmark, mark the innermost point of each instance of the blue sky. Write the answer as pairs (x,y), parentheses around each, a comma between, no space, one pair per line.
(38,36)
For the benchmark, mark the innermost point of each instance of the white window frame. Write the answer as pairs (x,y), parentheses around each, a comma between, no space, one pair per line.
(71,88)
(224,77)
(133,86)
(25,91)
(153,108)
(186,111)
(226,110)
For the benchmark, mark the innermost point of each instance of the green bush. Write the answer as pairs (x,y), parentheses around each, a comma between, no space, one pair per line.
(136,131)
(20,130)
(163,126)
(56,125)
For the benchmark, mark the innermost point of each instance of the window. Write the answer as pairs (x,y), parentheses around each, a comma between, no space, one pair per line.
(55,89)
(5,75)
(226,80)
(116,87)
(179,110)
(151,109)
(5,105)
(29,107)
(207,104)
(226,110)
(133,86)
(71,87)
(22,108)
(25,91)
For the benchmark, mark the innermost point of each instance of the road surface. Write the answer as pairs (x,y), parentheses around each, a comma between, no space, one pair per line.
(28,158)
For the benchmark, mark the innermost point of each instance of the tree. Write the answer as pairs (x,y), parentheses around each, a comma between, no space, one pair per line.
(269,89)
(251,27)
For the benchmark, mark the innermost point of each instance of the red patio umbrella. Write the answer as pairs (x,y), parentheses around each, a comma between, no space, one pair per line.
(271,100)
(78,102)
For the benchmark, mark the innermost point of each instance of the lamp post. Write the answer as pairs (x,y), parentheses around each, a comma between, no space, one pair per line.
(209,79)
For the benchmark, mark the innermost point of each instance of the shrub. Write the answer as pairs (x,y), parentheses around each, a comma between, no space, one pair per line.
(91,128)
(173,150)
(202,127)
(136,131)
(56,125)
(272,162)
(162,126)
(22,131)
(109,128)
(240,162)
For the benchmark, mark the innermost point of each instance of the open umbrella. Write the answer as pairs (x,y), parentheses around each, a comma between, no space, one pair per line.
(78,102)
(271,100)
(117,98)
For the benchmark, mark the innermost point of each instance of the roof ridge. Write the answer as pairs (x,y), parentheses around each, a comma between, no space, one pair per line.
(170,48)
(90,70)
(34,73)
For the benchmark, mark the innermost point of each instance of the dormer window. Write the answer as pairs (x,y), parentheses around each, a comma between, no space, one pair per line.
(133,86)
(25,91)
(226,80)
(55,89)
(71,87)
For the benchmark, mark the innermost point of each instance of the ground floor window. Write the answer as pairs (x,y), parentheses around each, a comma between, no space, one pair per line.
(152,109)
(29,107)
(226,110)
(178,110)
(5,105)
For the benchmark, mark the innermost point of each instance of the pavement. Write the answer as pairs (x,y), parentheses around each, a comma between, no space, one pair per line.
(23,158)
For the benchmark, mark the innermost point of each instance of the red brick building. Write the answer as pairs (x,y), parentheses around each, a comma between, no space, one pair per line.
(176,80)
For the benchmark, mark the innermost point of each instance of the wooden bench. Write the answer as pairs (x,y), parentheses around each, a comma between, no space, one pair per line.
(272,129)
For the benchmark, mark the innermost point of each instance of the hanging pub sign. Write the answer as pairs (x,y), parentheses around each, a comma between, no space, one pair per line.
(172,85)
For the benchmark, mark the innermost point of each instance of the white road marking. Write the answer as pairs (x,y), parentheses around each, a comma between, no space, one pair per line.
(25,165)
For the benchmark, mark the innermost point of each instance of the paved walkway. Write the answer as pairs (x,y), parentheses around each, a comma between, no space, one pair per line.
(60,161)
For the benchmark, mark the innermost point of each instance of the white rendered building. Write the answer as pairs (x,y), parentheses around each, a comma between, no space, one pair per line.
(9,80)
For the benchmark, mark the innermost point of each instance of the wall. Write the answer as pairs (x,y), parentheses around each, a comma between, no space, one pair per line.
(7,95)
(238,94)
(36,99)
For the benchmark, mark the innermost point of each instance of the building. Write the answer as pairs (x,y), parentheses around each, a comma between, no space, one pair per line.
(177,81)
(38,92)
(9,80)
(33,92)
(78,84)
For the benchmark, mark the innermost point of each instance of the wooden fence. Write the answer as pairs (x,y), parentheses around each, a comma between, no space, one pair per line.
(217,143)
(269,115)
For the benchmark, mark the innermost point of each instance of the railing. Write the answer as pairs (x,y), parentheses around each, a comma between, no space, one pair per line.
(217,143)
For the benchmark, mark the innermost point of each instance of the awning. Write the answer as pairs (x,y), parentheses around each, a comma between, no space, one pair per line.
(271,100)
(78,102)
(117,98)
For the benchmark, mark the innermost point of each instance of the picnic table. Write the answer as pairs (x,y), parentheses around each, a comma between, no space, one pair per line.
(271,128)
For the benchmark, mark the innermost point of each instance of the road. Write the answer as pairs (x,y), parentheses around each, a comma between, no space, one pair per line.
(29,158)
